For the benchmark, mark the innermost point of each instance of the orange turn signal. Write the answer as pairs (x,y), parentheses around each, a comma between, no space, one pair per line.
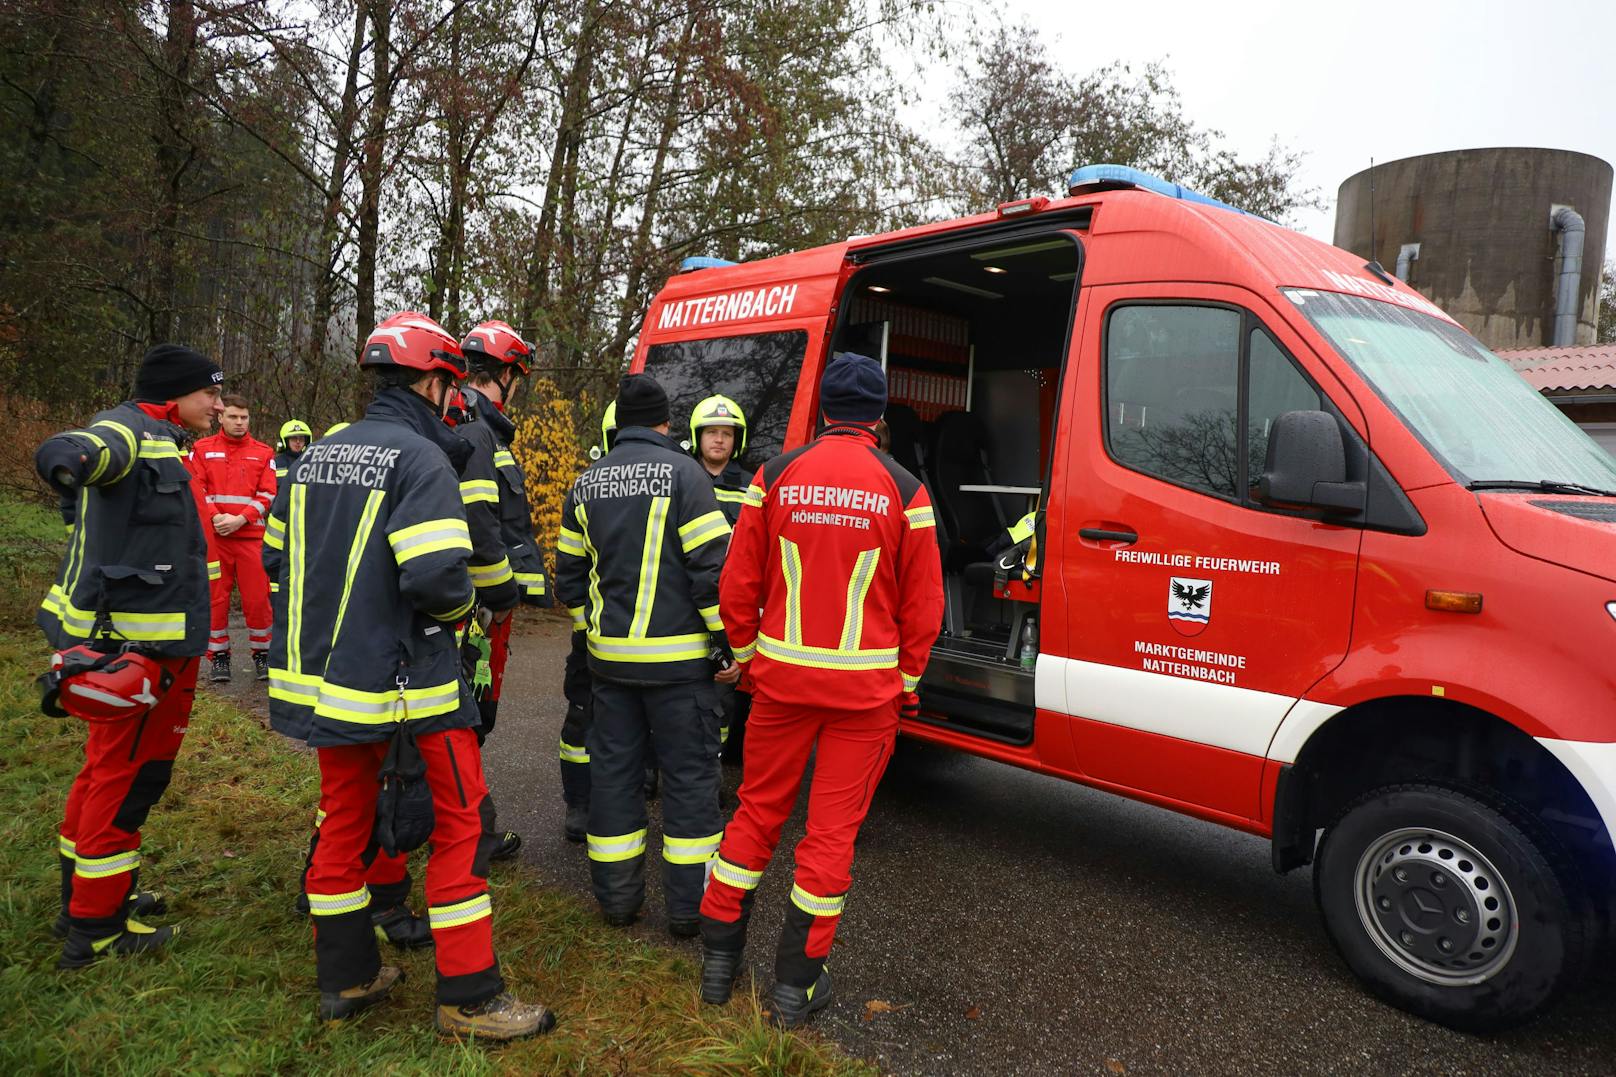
(1453,601)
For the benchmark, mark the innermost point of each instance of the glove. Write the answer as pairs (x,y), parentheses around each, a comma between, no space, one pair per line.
(61,463)
(909,706)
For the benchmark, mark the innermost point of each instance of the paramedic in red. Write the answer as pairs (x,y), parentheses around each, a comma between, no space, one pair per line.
(238,478)
(832,595)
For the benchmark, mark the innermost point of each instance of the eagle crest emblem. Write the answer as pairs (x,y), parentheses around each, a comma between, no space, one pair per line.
(1189,605)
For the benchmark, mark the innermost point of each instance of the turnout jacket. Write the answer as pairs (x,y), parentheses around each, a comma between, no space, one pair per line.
(832,592)
(729,487)
(283,462)
(637,561)
(506,564)
(366,549)
(136,566)
(238,477)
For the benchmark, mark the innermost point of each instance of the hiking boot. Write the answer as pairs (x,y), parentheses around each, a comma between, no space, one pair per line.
(220,670)
(501,1019)
(340,1005)
(576,826)
(620,917)
(792,1006)
(140,903)
(684,928)
(82,947)
(401,927)
(509,843)
(719,971)
(260,665)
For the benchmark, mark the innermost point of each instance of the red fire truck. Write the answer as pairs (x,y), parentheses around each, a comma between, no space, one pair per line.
(1309,560)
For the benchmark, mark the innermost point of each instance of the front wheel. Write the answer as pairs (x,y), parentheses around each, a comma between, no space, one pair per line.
(1454,909)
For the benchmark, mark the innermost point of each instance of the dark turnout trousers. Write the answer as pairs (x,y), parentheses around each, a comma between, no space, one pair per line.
(680,721)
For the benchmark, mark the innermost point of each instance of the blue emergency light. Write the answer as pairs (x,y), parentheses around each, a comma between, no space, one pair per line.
(701,261)
(1122,175)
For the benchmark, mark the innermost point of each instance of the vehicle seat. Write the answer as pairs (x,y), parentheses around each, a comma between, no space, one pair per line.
(903,424)
(959,457)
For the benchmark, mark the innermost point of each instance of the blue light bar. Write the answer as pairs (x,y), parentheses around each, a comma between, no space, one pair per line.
(703,262)
(1090,175)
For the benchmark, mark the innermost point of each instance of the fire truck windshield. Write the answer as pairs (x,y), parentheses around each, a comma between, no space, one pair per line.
(757,371)
(1480,419)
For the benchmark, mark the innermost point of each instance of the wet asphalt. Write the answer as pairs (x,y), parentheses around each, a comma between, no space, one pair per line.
(1003,922)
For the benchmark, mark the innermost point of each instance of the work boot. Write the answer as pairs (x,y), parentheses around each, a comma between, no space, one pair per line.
(576,826)
(510,843)
(140,903)
(792,1006)
(260,665)
(620,917)
(501,1019)
(340,1005)
(401,927)
(220,670)
(302,904)
(719,971)
(685,928)
(84,946)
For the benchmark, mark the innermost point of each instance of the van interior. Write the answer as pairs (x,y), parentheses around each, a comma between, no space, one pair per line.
(973,340)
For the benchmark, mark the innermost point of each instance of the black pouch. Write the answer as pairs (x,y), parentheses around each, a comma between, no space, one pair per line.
(404,816)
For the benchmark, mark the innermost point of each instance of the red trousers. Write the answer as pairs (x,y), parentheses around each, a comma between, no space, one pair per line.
(499,650)
(240,565)
(850,750)
(127,766)
(458,905)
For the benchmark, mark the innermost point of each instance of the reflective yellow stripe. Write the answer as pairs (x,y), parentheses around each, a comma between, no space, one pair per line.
(274,526)
(910,683)
(274,542)
(75,548)
(579,622)
(649,648)
(596,603)
(491,575)
(356,550)
(690,850)
(921,517)
(128,436)
(858,586)
(140,627)
(703,529)
(503,458)
(826,657)
(103,455)
(101,867)
(531,582)
(754,496)
(274,588)
(337,904)
(791,572)
(613,848)
(458,612)
(280,473)
(735,875)
(573,753)
(709,617)
(159,449)
(656,525)
(570,542)
(295,511)
(745,653)
(319,817)
(475,490)
(816,905)
(729,497)
(290,687)
(460,913)
(360,707)
(64,846)
(432,536)
(215,571)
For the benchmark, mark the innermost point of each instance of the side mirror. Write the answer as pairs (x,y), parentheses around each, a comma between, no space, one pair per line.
(1307,466)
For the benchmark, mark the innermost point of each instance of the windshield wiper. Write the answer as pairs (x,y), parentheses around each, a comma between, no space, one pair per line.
(1545,486)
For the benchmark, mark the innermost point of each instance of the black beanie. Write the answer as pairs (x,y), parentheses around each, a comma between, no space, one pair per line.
(641,401)
(169,371)
(854,389)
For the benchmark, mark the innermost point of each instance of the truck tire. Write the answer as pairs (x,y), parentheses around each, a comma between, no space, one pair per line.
(1455,909)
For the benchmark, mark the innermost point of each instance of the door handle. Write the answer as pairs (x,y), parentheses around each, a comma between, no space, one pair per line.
(1106,534)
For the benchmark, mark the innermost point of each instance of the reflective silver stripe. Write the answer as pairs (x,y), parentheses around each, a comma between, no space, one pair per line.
(491,575)
(616,847)
(337,904)
(791,572)
(754,496)
(99,867)
(910,683)
(573,753)
(816,905)
(651,648)
(428,537)
(921,517)
(232,499)
(858,588)
(503,458)
(460,913)
(745,652)
(738,877)
(825,657)
(690,850)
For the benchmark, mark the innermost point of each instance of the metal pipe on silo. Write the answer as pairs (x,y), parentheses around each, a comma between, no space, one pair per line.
(1406,254)
(1568,223)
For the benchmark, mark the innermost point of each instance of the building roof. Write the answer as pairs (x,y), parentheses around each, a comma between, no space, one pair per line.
(1566,370)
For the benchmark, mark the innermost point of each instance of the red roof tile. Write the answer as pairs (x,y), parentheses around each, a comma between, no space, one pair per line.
(1551,370)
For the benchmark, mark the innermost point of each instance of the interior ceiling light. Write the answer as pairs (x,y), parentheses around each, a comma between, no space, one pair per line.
(966,288)
(880,288)
(1029,248)
(994,269)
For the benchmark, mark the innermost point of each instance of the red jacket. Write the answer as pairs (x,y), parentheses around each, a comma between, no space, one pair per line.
(238,477)
(832,592)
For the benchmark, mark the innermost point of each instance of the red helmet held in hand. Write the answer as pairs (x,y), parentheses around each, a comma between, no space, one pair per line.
(410,339)
(494,346)
(101,686)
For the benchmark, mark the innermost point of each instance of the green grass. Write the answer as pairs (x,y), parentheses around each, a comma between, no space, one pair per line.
(236,993)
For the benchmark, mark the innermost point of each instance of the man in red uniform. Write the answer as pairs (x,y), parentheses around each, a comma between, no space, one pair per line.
(832,595)
(238,480)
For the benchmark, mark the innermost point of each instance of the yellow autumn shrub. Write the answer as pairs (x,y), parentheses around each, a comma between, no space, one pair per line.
(551,454)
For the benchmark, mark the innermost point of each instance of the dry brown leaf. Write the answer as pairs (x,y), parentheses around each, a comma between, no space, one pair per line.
(1115,1067)
(973,1013)
(875,1006)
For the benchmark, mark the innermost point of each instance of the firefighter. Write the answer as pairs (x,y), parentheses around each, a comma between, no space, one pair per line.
(718,439)
(832,596)
(294,438)
(637,564)
(135,572)
(238,480)
(492,489)
(368,545)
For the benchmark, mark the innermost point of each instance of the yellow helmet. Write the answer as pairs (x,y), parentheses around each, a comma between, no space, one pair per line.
(718,411)
(608,427)
(295,428)
(334,428)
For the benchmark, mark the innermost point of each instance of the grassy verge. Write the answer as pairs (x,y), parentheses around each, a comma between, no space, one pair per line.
(236,994)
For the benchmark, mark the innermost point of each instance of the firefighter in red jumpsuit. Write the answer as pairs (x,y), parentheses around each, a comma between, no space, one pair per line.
(238,481)
(832,596)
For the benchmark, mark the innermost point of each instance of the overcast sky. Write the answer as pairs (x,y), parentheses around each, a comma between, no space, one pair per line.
(1350,80)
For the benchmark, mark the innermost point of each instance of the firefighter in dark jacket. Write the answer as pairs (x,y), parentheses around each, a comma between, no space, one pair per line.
(368,546)
(136,571)
(294,438)
(511,570)
(718,438)
(638,557)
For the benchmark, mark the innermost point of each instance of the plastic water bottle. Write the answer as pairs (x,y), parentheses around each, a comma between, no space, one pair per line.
(1029,644)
